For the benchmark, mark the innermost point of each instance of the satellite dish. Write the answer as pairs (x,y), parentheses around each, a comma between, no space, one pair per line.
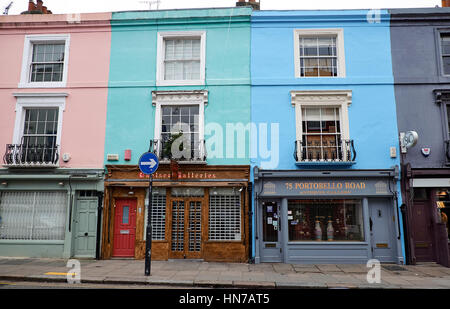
(410,139)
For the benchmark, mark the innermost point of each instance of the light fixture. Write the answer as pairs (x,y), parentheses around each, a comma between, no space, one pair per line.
(4,183)
(61,183)
(443,193)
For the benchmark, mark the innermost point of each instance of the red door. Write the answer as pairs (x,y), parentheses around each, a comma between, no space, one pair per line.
(124,228)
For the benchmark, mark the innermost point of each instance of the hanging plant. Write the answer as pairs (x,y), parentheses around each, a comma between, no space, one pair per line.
(167,148)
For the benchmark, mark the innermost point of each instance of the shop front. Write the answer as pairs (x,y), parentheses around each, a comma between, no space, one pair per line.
(327,216)
(50,213)
(428,210)
(198,212)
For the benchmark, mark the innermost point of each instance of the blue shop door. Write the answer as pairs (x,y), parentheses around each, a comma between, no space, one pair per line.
(270,244)
(382,230)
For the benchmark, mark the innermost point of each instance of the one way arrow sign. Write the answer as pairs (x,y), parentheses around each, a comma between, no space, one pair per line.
(148,163)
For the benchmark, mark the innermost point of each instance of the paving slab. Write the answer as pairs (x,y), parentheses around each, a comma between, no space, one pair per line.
(353,268)
(306,269)
(249,284)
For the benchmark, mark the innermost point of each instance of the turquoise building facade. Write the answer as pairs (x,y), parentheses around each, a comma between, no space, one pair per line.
(179,86)
(133,77)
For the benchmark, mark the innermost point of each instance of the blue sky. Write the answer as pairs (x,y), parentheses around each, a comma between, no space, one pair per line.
(89,6)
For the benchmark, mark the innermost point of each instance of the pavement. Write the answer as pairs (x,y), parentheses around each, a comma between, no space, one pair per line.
(190,274)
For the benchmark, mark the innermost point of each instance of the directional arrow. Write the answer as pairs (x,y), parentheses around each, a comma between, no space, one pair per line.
(152,163)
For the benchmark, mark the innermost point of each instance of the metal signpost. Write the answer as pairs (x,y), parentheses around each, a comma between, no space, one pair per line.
(148,164)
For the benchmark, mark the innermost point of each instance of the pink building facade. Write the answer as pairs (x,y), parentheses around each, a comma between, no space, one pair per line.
(53,99)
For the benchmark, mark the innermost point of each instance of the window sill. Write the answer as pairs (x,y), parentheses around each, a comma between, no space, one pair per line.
(180,83)
(42,85)
(327,243)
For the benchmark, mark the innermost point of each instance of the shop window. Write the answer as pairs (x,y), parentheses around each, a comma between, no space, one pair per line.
(158,214)
(325,220)
(443,206)
(33,215)
(224,214)
(187,192)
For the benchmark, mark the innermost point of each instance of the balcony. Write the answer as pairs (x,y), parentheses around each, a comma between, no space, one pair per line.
(21,155)
(190,152)
(342,153)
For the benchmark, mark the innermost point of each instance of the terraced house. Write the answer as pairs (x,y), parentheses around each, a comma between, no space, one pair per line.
(179,86)
(53,95)
(322,80)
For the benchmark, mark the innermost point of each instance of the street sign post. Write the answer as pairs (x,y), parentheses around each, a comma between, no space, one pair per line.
(148,164)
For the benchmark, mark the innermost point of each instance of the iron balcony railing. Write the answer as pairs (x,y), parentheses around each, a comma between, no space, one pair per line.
(31,155)
(342,151)
(188,151)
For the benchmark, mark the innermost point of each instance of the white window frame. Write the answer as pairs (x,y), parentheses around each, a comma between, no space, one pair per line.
(30,40)
(340,50)
(341,99)
(36,100)
(188,97)
(160,81)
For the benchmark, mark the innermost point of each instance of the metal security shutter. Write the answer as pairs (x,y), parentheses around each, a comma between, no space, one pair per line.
(158,214)
(224,214)
(33,215)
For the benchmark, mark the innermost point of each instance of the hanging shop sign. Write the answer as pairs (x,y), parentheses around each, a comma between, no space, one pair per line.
(309,188)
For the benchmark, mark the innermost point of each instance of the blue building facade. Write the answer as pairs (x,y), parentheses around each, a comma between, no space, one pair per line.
(325,155)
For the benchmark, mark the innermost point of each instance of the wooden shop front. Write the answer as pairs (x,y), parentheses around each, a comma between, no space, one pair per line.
(198,212)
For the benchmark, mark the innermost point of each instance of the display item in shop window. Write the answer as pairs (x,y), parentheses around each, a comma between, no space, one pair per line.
(330,231)
(318,231)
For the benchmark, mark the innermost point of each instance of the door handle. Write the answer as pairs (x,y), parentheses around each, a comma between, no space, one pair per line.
(370,224)
(85,234)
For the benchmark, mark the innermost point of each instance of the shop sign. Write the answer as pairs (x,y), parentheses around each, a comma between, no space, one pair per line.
(181,175)
(341,187)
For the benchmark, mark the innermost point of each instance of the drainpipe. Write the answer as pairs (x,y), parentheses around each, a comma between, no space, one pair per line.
(250,224)
(99,221)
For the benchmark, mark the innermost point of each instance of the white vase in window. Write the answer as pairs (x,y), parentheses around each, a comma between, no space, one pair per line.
(318,231)
(330,231)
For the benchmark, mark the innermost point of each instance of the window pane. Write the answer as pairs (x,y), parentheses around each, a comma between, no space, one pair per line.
(445,42)
(224,214)
(126,215)
(33,215)
(446,64)
(321,134)
(325,220)
(270,222)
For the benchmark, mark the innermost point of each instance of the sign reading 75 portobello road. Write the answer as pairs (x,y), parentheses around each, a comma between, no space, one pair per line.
(148,163)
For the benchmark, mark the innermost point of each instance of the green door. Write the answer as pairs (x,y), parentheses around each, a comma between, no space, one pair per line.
(85,227)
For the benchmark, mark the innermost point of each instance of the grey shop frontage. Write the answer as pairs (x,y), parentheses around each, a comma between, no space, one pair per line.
(320,217)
